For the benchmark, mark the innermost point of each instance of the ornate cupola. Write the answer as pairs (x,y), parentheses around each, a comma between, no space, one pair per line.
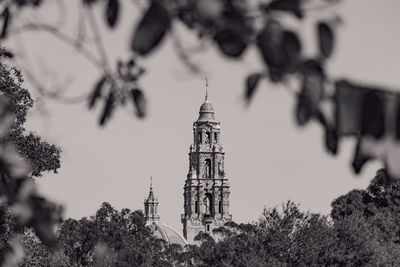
(151,205)
(159,229)
(206,190)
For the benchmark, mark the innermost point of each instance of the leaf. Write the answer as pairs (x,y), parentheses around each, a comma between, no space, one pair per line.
(251,85)
(326,39)
(230,42)
(280,49)
(303,110)
(6,16)
(373,114)
(331,140)
(151,29)
(108,108)
(313,66)
(291,6)
(89,2)
(311,93)
(112,11)
(269,42)
(139,102)
(291,45)
(96,94)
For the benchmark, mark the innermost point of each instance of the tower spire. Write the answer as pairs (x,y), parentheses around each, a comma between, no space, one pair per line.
(206,89)
(151,204)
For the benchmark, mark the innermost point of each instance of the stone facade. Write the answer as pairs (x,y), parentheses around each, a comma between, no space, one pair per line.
(206,190)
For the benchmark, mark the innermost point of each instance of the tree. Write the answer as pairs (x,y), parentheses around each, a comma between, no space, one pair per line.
(118,237)
(21,157)
(290,237)
(367,223)
(42,155)
(282,237)
(36,254)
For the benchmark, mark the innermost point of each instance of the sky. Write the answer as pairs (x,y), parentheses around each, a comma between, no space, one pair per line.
(268,160)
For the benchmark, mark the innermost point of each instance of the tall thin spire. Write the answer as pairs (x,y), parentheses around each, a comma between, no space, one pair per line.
(151,182)
(206,89)
(151,204)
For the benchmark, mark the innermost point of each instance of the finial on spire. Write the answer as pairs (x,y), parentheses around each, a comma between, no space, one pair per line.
(151,182)
(206,89)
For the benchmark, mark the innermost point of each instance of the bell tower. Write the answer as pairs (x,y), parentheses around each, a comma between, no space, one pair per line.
(206,190)
(150,206)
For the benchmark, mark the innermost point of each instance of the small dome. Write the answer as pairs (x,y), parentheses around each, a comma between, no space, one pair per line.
(167,233)
(207,107)
(206,112)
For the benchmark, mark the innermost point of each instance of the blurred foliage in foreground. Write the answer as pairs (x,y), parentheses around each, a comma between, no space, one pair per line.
(363,229)
(23,155)
(344,108)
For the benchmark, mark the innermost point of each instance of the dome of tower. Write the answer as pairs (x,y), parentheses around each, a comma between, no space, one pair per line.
(206,112)
(207,107)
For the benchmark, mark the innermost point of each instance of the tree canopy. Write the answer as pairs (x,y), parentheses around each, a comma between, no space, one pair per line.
(23,155)
(362,230)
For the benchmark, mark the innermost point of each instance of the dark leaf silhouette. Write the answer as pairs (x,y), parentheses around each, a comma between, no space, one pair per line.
(311,92)
(96,94)
(230,42)
(313,66)
(292,46)
(139,102)
(108,108)
(292,6)
(372,122)
(326,39)
(251,85)
(269,43)
(331,140)
(280,49)
(303,110)
(36,2)
(89,2)
(5,16)
(151,29)
(112,11)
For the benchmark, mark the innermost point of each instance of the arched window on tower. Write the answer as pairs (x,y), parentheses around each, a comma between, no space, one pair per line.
(215,138)
(196,207)
(208,137)
(208,168)
(208,204)
(199,140)
(220,207)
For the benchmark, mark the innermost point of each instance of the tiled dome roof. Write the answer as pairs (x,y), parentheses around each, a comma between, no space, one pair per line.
(207,107)
(167,233)
(206,112)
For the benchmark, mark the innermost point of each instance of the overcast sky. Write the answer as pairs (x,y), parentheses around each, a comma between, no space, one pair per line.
(268,158)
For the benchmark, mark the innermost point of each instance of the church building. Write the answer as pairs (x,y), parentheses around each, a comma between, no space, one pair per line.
(206,189)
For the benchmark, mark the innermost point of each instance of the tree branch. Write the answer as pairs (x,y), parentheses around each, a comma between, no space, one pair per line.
(61,36)
(97,39)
